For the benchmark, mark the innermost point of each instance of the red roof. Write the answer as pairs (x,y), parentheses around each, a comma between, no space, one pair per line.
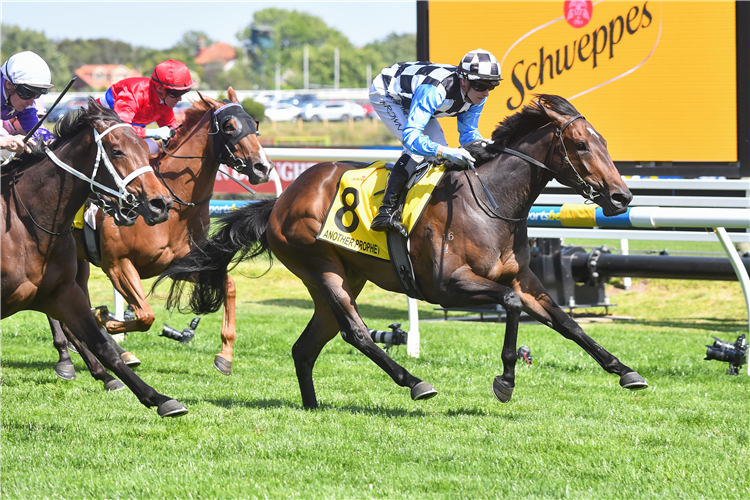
(218,52)
(102,76)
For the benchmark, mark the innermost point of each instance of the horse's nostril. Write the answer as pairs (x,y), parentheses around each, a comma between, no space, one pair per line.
(623,199)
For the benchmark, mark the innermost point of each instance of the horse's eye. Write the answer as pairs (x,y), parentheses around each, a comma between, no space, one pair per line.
(229,128)
(582,146)
(117,153)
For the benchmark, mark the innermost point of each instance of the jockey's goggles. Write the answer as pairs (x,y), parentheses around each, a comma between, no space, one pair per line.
(176,94)
(483,85)
(26,92)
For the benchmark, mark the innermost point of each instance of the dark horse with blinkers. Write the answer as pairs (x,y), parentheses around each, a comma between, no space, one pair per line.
(464,251)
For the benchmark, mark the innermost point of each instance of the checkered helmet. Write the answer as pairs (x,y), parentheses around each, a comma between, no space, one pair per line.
(479,64)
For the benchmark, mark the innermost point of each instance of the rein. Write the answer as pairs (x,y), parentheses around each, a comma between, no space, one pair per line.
(237,163)
(121,194)
(588,191)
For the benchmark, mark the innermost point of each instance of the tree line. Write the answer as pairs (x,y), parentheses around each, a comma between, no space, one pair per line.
(275,36)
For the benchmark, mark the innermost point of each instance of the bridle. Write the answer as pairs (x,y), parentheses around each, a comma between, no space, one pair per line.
(589,193)
(588,190)
(222,142)
(122,195)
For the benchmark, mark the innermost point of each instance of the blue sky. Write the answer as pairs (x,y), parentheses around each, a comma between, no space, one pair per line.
(161,24)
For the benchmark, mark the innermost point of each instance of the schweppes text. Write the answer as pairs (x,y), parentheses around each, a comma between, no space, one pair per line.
(590,48)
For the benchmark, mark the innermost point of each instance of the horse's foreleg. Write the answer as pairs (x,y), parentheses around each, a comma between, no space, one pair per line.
(127,281)
(466,288)
(538,304)
(64,367)
(70,306)
(223,360)
(95,368)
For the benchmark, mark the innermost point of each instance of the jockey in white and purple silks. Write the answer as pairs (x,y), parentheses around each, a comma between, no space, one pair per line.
(23,78)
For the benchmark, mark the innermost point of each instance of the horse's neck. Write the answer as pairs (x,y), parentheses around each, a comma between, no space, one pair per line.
(192,179)
(516,183)
(52,195)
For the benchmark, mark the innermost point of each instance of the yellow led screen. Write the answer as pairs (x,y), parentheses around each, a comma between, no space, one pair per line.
(657,79)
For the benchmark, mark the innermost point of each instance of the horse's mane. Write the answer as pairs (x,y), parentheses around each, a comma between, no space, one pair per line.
(193,115)
(70,125)
(520,124)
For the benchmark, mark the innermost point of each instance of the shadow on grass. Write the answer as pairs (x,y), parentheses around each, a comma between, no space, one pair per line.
(265,404)
(714,324)
(366,311)
(28,365)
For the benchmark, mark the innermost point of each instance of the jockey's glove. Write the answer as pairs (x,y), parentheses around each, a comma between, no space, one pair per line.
(459,156)
(162,133)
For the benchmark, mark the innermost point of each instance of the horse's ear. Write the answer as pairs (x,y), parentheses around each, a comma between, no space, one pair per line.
(559,119)
(232,95)
(202,99)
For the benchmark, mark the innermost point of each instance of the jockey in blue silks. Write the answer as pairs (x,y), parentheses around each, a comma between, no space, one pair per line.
(409,97)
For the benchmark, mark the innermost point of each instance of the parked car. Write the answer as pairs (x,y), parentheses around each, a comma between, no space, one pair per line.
(71,104)
(301,100)
(283,112)
(334,111)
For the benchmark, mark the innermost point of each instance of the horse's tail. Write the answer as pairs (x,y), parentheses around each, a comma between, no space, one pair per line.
(241,236)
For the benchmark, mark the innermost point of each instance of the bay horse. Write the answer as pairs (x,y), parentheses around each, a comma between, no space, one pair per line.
(464,251)
(41,193)
(213,132)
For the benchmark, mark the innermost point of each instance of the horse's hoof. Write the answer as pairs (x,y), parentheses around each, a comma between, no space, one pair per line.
(503,392)
(422,390)
(633,381)
(72,348)
(114,385)
(129,359)
(223,365)
(65,370)
(171,408)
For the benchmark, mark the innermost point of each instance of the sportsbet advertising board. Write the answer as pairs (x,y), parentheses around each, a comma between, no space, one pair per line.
(658,79)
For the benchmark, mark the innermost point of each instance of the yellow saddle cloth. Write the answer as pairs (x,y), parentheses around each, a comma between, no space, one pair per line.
(357,202)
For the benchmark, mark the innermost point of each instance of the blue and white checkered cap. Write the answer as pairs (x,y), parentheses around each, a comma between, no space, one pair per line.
(479,64)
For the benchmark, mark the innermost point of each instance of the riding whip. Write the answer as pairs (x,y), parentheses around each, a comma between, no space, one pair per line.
(39,123)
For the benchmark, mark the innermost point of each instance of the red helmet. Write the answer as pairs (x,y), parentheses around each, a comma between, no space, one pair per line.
(173,75)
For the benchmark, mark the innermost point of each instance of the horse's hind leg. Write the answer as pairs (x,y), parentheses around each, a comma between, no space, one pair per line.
(64,367)
(95,368)
(336,291)
(223,360)
(539,305)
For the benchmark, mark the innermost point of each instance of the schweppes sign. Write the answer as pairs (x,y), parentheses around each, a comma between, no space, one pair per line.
(656,78)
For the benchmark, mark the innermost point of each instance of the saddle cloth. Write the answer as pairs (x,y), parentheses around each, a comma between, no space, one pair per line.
(357,201)
(86,213)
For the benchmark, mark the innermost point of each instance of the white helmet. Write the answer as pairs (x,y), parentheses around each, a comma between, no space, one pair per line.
(479,65)
(27,68)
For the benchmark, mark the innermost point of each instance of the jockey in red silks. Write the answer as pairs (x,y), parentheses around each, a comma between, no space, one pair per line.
(140,101)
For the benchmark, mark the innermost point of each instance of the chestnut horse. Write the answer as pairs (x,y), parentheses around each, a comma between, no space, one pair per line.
(41,193)
(455,264)
(212,133)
